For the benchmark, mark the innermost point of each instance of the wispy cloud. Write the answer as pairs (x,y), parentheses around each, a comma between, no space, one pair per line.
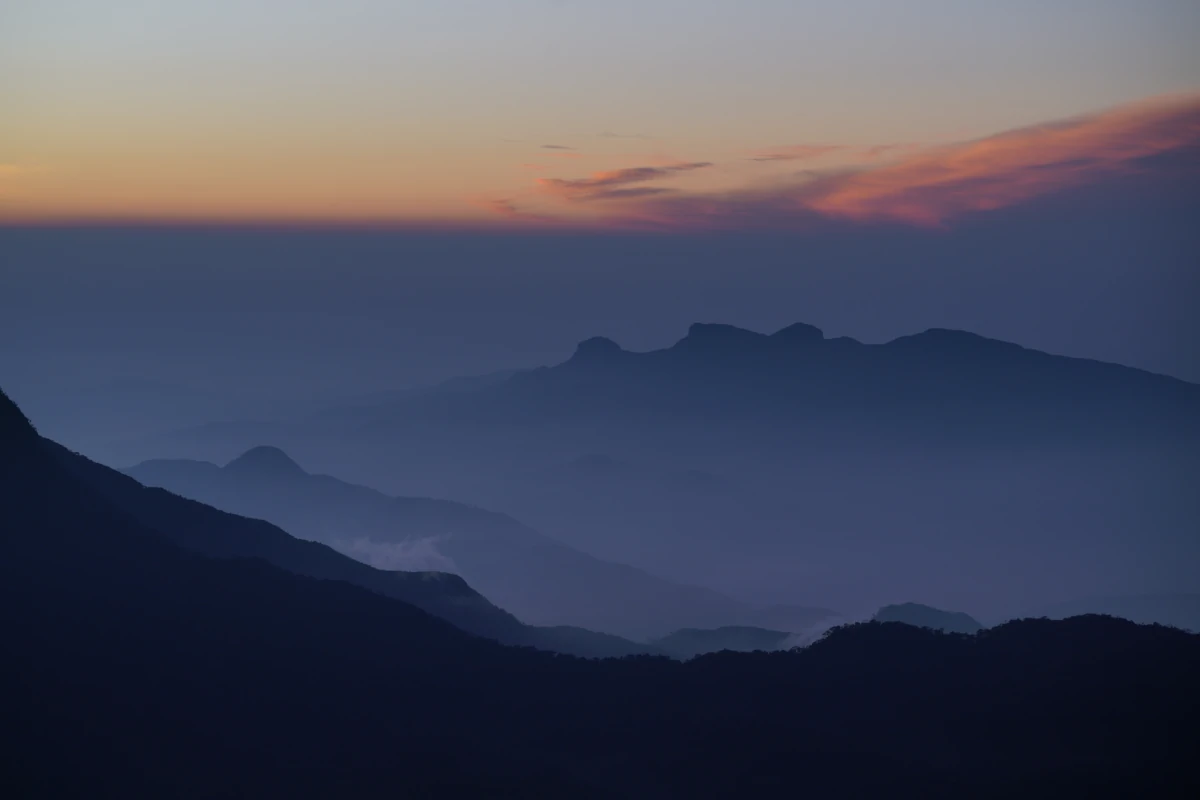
(603,185)
(931,186)
(797,152)
(556,147)
(627,194)
(811,152)
(881,150)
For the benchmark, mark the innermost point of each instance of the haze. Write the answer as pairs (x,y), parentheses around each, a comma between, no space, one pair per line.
(539,398)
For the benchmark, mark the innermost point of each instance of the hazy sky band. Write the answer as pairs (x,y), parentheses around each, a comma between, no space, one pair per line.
(499,113)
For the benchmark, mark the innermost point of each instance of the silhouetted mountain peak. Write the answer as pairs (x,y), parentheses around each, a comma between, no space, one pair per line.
(799,332)
(705,336)
(16,431)
(596,348)
(950,340)
(265,460)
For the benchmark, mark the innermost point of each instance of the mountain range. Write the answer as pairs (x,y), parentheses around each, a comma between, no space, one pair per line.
(963,384)
(538,579)
(135,665)
(764,466)
(211,532)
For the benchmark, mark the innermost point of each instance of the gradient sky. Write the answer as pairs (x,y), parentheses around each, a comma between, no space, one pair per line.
(537,112)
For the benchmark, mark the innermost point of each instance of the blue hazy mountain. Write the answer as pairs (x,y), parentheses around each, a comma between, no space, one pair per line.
(211,532)
(968,385)
(923,616)
(953,458)
(691,642)
(539,579)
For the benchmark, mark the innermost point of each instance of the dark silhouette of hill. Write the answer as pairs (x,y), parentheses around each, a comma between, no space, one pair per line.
(1178,610)
(211,532)
(923,616)
(535,577)
(135,668)
(691,642)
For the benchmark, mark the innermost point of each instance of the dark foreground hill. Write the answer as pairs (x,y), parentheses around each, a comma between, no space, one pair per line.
(135,668)
(1178,610)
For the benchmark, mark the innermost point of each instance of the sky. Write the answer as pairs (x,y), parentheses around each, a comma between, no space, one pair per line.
(625,114)
(296,199)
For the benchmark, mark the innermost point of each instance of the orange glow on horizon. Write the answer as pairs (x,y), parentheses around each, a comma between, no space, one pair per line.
(442,185)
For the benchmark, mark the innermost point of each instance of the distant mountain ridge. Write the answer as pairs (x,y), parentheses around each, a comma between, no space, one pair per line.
(212,532)
(535,577)
(692,642)
(923,616)
(797,370)
(968,379)
(941,442)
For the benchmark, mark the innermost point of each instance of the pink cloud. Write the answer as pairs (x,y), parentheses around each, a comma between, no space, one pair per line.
(880,150)
(1002,170)
(603,185)
(931,186)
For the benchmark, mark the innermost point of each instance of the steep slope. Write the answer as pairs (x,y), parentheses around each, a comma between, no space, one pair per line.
(537,578)
(133,668)
(132,665)
(211,532)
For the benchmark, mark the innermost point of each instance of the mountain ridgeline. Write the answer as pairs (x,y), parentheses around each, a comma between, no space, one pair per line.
(692,642)
(211,532)
(535,577)
(923,616)
(764,467)
(941,382)
(142,660)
